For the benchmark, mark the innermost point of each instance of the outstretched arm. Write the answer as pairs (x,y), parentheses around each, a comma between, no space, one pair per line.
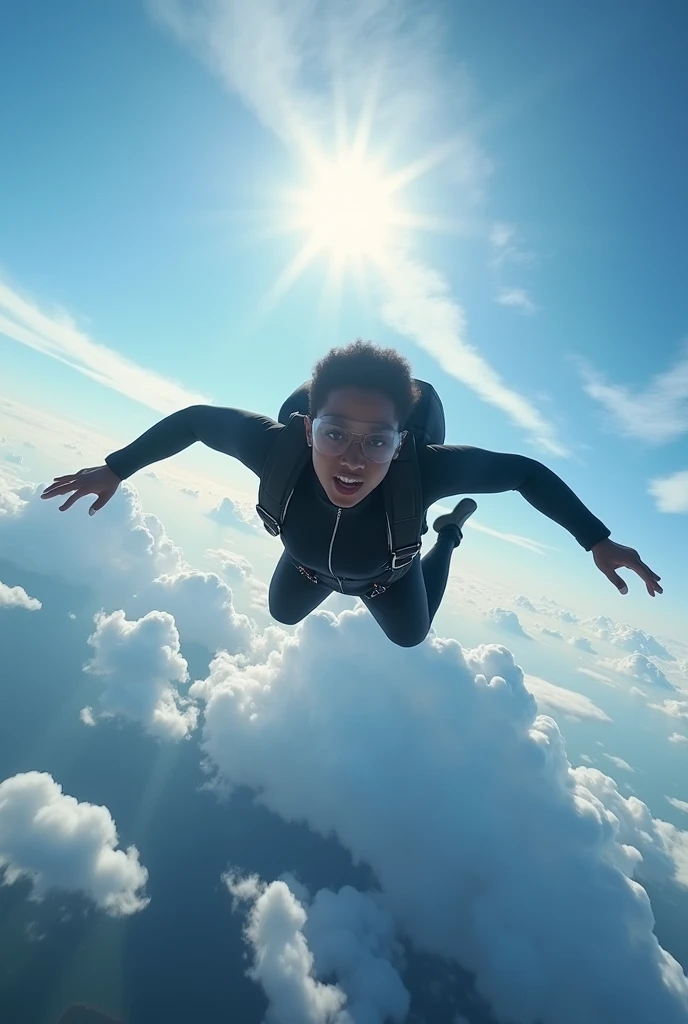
(460,469)
(246,436)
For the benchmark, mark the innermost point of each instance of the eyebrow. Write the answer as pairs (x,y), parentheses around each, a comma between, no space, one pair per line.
(344,419)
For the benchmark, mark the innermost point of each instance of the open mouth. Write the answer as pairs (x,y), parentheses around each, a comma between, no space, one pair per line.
(347,484)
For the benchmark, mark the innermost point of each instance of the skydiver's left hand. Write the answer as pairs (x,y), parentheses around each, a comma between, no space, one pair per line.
(610,556)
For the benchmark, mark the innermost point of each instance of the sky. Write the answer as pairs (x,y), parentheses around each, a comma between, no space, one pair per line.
(170,179)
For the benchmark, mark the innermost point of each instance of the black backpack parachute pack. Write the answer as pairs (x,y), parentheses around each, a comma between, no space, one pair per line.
(401,487)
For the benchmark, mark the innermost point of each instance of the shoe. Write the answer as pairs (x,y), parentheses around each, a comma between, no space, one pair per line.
(465,508)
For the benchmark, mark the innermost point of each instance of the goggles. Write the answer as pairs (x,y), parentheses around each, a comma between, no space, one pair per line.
(333,439)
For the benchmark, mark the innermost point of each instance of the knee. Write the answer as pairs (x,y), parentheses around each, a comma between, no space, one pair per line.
(281,612)
(409,638)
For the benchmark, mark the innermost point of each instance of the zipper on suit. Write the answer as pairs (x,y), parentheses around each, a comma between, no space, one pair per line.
(334,534)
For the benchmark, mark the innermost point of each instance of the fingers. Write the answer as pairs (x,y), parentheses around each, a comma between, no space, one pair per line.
(649,578)
(98,503)
(614,578)
(79,493)
(55,489)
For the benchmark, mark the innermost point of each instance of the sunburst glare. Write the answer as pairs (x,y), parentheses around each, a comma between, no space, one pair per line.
(348,209)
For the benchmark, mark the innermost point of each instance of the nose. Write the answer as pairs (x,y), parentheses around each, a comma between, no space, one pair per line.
(353,458)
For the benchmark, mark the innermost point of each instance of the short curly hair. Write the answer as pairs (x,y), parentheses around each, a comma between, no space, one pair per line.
(364,365)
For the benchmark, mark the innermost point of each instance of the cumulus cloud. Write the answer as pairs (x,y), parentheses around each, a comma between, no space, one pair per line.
(670,492)
(120,548)
(620,634)
(507,621)
(638,666)
(549,607)
(523,602)
(241,576)
(680,805)
(228,513)
(673,708)
(192,492)
(57,842)
(581,643)
(568,702)
(16,597)
(140,667)
(677,737)
(480,874)
(202,606)
(552,632)
(347,935)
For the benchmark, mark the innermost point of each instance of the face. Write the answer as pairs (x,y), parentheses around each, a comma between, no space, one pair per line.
(363,412)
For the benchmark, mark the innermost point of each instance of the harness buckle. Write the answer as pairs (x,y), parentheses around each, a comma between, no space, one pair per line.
(269,522)
(404,555)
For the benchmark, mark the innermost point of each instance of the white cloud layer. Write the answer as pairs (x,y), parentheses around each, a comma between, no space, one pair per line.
(348,935)
(140,667)
(670,492)
(16,597)
(680,805)
(489,848)
(56,842)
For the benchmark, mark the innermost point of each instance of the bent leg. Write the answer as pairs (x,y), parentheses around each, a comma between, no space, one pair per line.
(405,611)
(435,566)
(292,596)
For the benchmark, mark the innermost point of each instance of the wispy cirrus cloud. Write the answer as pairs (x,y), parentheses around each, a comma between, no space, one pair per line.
(670,492)
(58,336)
(655,414)
(506,247)
(516,298)
(271,52)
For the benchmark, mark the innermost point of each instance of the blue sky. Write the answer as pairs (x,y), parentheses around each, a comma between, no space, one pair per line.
(143,198)
(151,152)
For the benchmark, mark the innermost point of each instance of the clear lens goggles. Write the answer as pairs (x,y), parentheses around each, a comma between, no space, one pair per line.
(333,439)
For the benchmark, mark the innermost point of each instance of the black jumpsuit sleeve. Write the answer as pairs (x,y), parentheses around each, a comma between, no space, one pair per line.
(246,436)
(461,469)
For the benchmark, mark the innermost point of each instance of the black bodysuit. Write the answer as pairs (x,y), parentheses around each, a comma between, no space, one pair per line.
(346,549)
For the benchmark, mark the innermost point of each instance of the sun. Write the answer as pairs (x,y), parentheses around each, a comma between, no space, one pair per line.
(348,212)
(348,209)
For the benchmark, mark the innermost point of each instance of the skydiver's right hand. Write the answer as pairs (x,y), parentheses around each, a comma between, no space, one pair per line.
(99,480)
